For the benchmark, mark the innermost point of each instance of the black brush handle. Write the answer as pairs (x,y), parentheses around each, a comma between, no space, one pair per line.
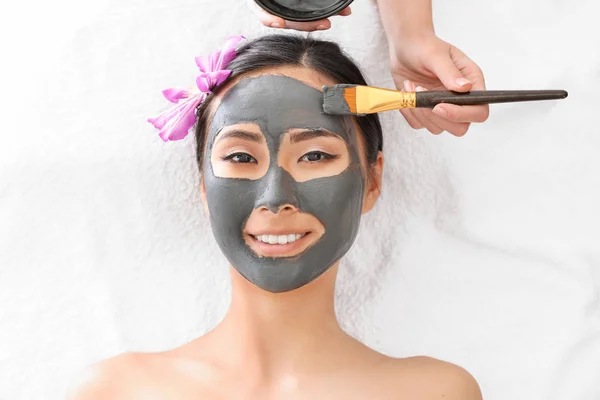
(430,98)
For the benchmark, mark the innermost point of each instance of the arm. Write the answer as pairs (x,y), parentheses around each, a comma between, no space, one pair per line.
(419,60)
(402,17)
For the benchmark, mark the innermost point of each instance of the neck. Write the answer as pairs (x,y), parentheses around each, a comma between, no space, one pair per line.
(279,333)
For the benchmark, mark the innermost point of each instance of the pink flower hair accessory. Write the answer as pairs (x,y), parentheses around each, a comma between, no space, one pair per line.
(175,123)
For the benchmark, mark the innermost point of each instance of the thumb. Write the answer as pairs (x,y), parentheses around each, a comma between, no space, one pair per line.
(446,71)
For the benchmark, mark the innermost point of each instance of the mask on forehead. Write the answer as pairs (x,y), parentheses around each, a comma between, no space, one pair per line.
(276,104)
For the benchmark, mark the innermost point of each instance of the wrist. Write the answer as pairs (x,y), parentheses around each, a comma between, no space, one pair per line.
(410,32)
(405,19)
(411,43)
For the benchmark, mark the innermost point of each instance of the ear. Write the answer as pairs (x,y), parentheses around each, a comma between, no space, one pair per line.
(373,184)
(203,195)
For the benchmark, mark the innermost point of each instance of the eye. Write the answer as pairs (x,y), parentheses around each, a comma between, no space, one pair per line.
(317,156)
(241,158)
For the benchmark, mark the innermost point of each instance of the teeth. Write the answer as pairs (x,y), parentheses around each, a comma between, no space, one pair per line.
(279,239)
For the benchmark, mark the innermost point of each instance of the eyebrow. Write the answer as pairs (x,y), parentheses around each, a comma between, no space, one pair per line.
(308,134)
(250,136)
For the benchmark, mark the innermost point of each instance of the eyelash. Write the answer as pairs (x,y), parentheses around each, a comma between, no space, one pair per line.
(325,157)
(231,157)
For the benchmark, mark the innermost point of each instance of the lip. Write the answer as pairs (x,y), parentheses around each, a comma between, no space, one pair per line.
(280,250)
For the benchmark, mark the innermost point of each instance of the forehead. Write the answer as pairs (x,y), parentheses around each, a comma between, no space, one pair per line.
(276,103)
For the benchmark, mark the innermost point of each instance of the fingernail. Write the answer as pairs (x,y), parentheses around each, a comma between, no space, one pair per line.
(275,25)
(440,111)
(321,27)
(462,81)
(420,89)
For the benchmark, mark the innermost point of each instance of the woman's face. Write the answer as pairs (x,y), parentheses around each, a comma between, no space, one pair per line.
(285,184)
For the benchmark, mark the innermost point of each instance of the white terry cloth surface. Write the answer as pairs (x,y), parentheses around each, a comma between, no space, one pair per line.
(482,251)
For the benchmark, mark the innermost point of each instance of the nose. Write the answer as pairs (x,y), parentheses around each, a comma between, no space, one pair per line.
(278,192)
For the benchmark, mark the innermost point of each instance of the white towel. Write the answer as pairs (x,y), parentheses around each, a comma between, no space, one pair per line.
(482,251)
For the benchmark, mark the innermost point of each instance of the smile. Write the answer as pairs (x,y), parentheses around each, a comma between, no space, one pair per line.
(281,244)
(279,239)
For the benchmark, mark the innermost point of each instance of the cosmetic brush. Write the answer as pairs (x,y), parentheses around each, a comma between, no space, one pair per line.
(360,100)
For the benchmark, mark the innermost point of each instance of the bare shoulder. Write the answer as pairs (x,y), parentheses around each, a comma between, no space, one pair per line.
(110,378)
(428,377)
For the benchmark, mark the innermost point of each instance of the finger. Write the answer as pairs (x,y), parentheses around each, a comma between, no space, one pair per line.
(424,116)
(412,120)
(434,122)
(429,123)
(478,78)
(345,12)
(454,128)
(459,114)
(442,65)
(320,25)
(465,114)
(468,68)
(266,18)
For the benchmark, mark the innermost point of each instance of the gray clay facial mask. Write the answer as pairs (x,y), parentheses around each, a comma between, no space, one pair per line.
(307,5)
(277,104)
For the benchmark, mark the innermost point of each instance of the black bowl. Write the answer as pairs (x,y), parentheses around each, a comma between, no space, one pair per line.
(303,10)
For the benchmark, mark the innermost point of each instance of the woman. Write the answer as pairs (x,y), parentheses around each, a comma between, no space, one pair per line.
(284,186)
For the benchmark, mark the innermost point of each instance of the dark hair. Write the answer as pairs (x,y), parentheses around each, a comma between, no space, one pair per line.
(322,56)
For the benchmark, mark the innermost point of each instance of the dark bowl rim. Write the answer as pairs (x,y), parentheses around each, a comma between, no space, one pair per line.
(263,5)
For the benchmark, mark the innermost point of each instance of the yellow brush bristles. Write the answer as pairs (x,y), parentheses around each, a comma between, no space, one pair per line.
(350,97)
(368,100)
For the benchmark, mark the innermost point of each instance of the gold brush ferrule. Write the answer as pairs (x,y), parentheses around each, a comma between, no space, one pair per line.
(371,99)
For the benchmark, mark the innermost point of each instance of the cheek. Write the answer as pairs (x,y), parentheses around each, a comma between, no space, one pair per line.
(230,202)
(336,202)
